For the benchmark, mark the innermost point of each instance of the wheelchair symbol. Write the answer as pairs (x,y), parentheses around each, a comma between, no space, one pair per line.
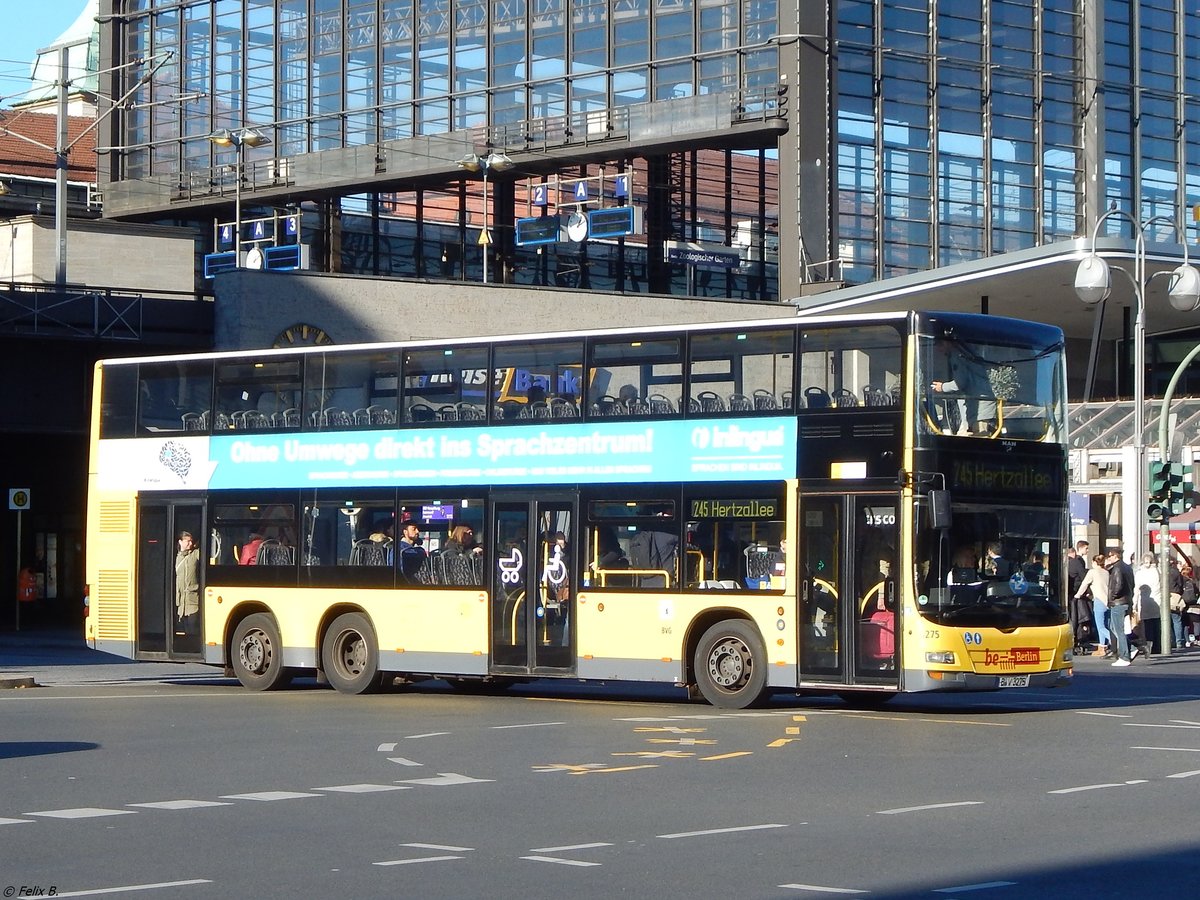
(555,572)
(510,567)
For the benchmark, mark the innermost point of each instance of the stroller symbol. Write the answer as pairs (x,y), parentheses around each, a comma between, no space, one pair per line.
(510,567)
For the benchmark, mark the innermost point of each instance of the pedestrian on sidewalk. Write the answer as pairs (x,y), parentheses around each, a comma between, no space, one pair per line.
(1120,598)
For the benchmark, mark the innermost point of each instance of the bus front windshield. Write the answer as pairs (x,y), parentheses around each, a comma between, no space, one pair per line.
(984,377)
(996,567)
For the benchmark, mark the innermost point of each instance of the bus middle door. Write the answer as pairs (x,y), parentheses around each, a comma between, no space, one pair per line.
(533,585)
(168,612)
(848,591)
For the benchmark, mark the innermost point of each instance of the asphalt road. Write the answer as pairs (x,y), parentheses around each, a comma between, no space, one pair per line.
(175,782)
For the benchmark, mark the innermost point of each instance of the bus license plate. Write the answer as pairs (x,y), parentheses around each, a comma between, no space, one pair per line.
(1014,681)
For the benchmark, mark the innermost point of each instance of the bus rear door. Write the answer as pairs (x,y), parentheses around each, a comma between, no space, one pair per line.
(533,579)
(848,592)
(161,631)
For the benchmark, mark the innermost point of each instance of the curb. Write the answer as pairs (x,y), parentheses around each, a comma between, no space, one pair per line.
(16,681)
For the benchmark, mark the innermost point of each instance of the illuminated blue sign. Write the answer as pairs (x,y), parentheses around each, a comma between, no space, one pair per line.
(751,449)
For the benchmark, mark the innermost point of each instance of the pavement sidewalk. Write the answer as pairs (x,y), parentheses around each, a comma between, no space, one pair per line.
(47,656)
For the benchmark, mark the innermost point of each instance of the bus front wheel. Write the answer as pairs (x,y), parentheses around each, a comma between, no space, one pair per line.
(258,654)
(731,665)
(350,655)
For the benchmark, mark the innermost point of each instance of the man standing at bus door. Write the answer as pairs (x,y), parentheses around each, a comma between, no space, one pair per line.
(1080,606)
(187,584)
(1120,597)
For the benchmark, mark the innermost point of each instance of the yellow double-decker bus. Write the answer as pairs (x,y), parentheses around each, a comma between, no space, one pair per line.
(870,505)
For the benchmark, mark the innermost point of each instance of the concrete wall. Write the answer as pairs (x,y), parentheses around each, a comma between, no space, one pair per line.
(138,258)
(253,308)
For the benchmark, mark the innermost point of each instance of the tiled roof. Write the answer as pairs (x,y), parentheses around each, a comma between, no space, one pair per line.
(18,157)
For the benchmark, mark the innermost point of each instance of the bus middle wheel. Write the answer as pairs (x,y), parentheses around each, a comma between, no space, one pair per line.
(350,655)
(258,654)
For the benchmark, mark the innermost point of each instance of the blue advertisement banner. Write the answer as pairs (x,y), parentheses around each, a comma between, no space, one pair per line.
(751,449)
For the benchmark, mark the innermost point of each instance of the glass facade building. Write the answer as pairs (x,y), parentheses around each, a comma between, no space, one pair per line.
(815,140)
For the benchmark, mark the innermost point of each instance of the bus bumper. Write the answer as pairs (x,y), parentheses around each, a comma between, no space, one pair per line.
(922,680)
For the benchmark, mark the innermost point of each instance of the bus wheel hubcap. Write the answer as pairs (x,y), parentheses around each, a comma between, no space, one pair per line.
(354,653)
(254,652)
(728,663)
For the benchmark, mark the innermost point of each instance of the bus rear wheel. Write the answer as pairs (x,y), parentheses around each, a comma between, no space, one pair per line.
(350,655)
(258,654)
(731,665)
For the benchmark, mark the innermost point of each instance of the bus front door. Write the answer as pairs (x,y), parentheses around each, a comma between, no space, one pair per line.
(532,585)
(848,591)
(170,584)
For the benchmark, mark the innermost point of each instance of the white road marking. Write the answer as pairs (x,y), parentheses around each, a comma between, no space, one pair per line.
(1085,787)
(983,886)
(561,862)
(179,804)
(1185,774)
(25,698)
(16,821)
(423,859)
(83,812)
(447,778)
(401,761)
(1185,722)
(268,796)
(134,887)
(1157,725)
(438,847)
(686,834)
(1171,749)
(387,748)
(363,788)
(1107,715)
(525,725)
(819,889)
(414,737)
(568,847)
(908,809)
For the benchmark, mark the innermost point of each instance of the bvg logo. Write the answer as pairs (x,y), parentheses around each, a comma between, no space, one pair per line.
(701,438)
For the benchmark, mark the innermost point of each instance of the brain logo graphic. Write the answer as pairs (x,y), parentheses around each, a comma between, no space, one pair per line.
(176,458)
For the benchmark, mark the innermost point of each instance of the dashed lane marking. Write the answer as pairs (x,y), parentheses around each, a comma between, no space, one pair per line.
(1107,715)
(688,834)
(179,804)
(270,796)
(525,725)
(671,729)
(1170,749)
(82,812)
(568,847)
(448,849)
(727,755)
(445,779)
(416,737)
(1095,787)
(1185,774)
(387,748)
(401,761)
(683,742)
(821,889)
(908,809)
(561,862)
(567,767)
(134,887)
(614,769)
(364,788)
(1189,727)
(423,859)
(16,821)
(982,886)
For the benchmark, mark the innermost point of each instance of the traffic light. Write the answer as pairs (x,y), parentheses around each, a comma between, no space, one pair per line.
(1180,498)
(1159,507)
(1160,481)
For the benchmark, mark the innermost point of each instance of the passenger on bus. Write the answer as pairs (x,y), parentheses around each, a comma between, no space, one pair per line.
(461,540)
(995,565)
(412,555)
(187,584)
(249,555)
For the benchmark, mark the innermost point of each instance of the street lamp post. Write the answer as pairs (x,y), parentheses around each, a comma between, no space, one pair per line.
(484,164)
(239,138)
(1093,284)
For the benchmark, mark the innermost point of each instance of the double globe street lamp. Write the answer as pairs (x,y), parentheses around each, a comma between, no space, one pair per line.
(1093,284)
(484,164)
(240,138)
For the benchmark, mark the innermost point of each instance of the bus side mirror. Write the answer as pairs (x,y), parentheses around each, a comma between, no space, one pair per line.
(940,516)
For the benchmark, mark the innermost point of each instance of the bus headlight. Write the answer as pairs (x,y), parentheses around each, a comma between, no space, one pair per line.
(941,657)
